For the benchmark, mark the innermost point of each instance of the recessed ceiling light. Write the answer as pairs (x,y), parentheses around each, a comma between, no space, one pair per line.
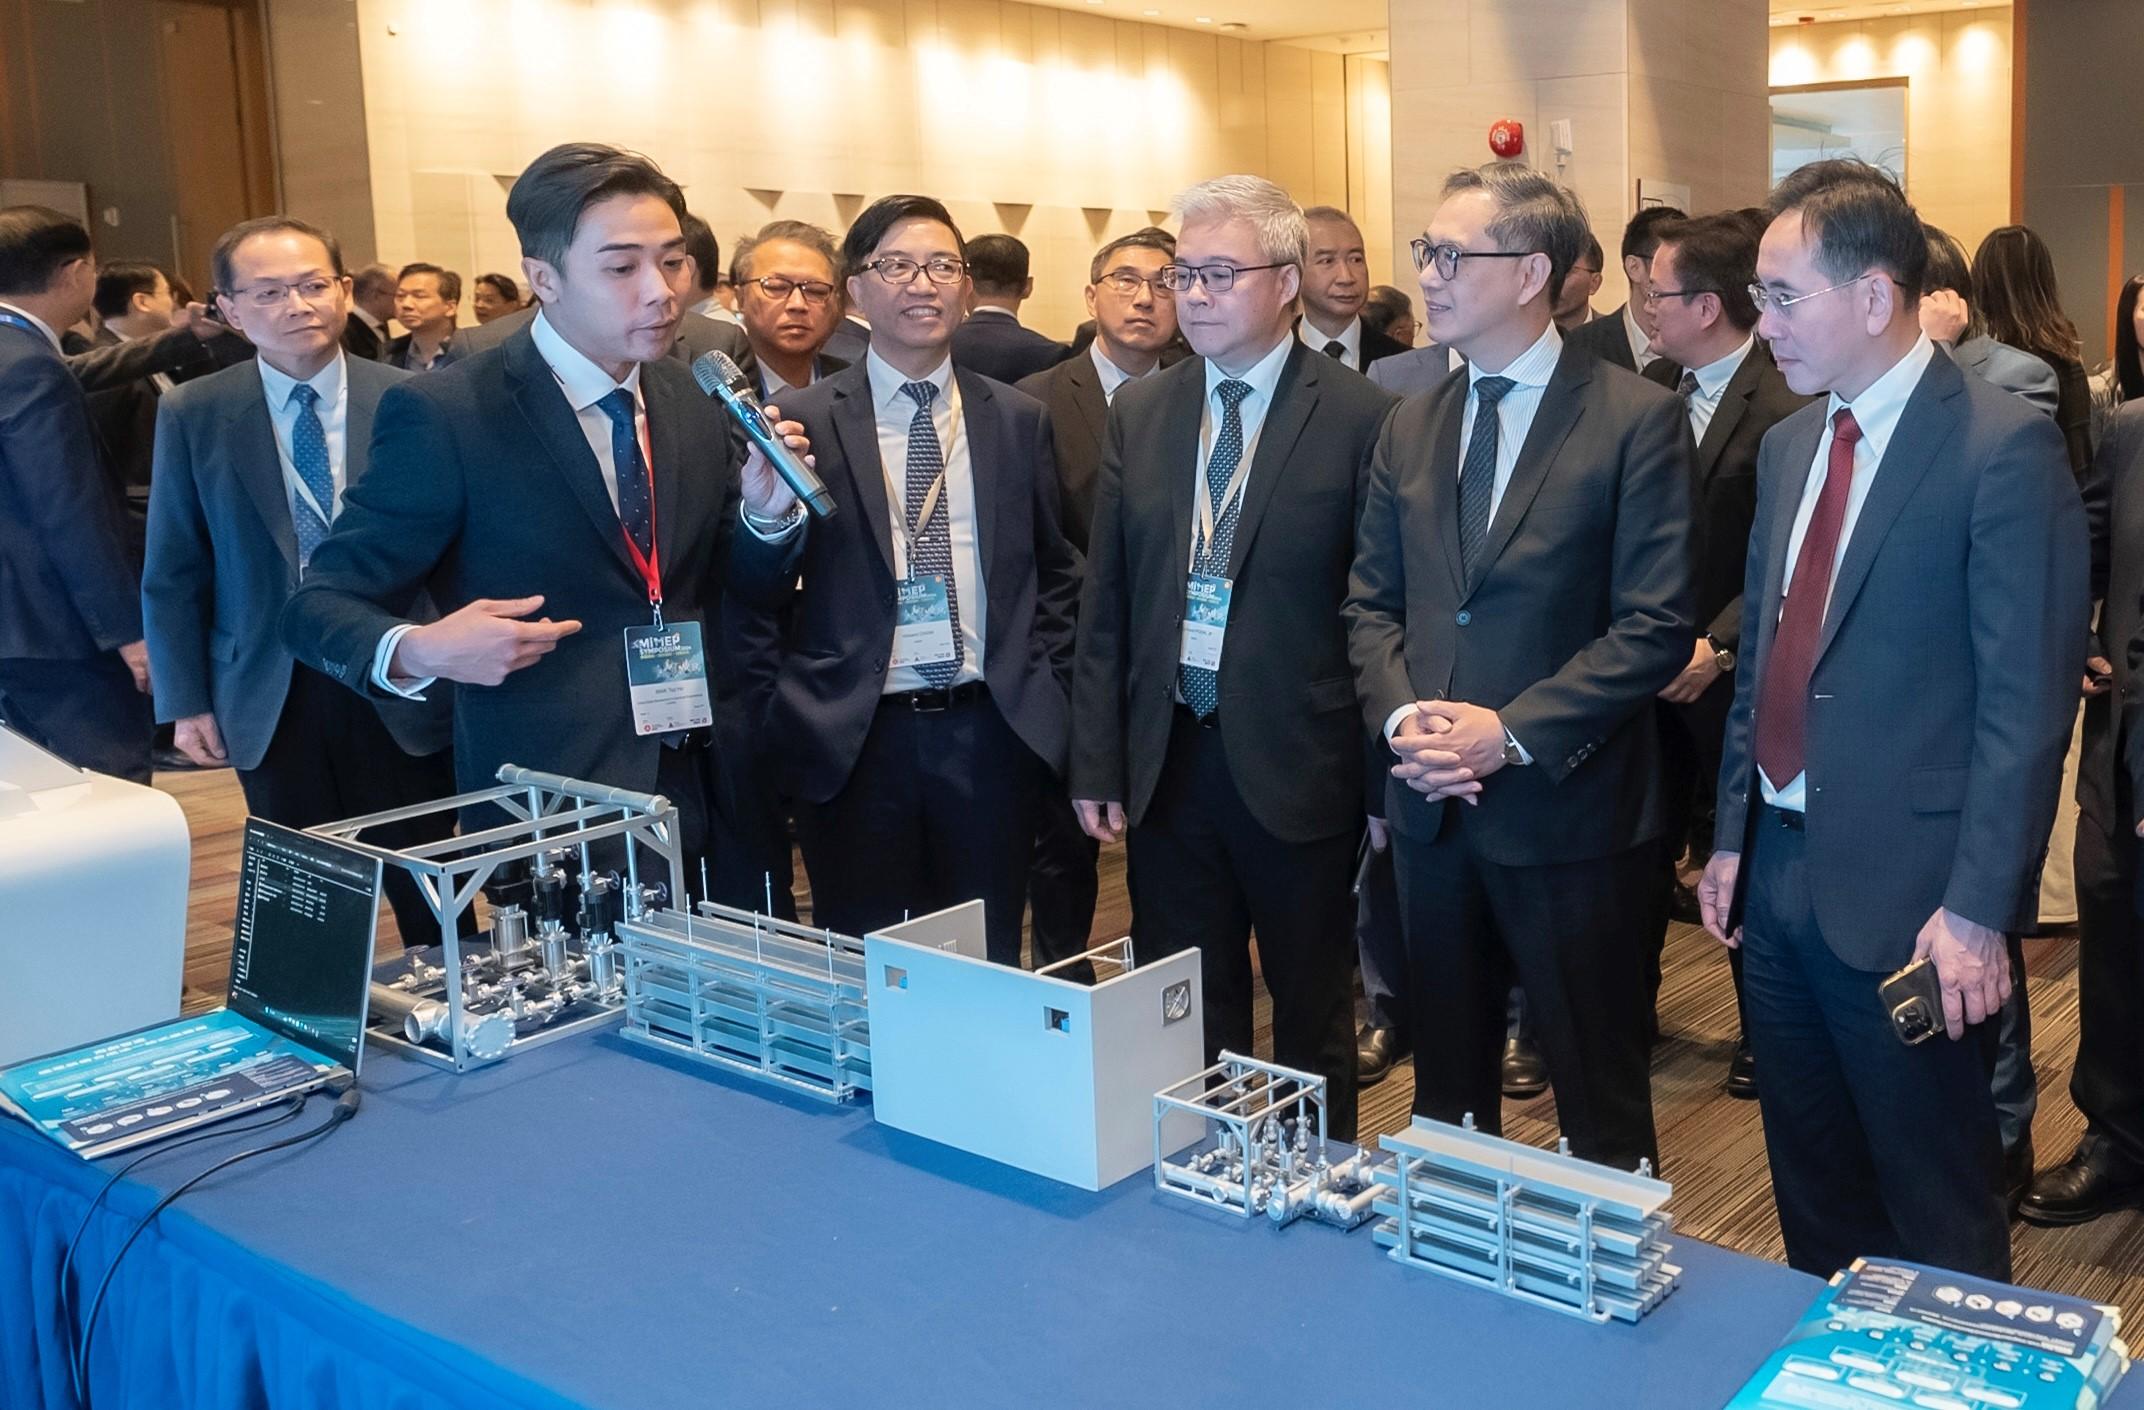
(1203,19)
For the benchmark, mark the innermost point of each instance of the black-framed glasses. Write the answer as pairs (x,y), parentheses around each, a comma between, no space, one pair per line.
(1129,282)
(778,288)
(1655,295)
(1215,278)
(898,270)
(1447,258)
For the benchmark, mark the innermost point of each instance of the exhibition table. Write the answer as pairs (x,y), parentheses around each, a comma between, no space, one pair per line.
(592,1224)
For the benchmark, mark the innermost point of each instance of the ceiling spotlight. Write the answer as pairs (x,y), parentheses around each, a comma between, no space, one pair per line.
(1203,19)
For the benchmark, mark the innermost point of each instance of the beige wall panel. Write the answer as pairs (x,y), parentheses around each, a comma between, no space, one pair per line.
(1520,39)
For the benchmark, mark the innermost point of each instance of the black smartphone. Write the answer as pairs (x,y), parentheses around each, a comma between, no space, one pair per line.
(1914,999)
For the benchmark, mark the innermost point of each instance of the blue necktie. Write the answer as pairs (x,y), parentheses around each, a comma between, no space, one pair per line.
(1200,687)
(635,509)
(309,453)
(1477,476)
(931,551)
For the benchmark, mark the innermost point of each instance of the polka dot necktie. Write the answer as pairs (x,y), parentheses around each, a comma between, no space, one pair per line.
(309,453)
(930,550)
(1200,687)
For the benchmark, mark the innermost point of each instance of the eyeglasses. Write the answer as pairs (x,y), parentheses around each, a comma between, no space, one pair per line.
(898,271)
(1447,257)
(1129,282)
(1655,295)
(1766,300)
(1214,278)
(816,291)
(315,290)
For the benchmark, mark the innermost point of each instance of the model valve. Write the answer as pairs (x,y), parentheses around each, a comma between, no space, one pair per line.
(599,918)
(651,897)
(510,935)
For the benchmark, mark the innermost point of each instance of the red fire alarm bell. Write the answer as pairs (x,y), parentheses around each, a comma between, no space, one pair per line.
(1507,137)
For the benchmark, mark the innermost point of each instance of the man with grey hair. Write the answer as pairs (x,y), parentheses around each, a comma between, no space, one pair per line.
(1521,592)
(372,303)
(1336,288)
(1211,694)
(788,300)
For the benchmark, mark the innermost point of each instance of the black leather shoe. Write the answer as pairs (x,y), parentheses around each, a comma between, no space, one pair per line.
(2017,1174)
(2093,1181)
(1376,1050)
(1741,1080)
(1525,1070)
(1682,906)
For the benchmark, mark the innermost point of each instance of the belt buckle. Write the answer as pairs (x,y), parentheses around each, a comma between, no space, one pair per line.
(930,702)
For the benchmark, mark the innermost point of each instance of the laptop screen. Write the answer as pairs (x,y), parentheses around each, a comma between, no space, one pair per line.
(301,960)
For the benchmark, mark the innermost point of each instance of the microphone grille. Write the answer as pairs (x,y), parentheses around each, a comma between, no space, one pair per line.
(715,369)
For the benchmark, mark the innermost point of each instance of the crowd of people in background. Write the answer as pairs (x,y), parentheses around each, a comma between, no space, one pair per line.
(1462,668)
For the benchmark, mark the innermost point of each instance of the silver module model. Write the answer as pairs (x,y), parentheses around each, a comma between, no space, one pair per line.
(548,966)
(1543,1227)
(1264,1148)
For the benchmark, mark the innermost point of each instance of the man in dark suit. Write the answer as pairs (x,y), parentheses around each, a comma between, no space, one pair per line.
(1574,301)
(575,471)
(788,301)
(1336,285)
(1625,336)
(1704,321)
(991,340)
(372,303)
(74,673)
(1521,594)
(1211,692)
(427,301)
(1135,318)
(1911,613)
(919,704)
(250,465)
(2106,1169)
(133,301)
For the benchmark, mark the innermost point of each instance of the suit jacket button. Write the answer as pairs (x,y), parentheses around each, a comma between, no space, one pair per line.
(1464,617)
(878,665)
(889,599)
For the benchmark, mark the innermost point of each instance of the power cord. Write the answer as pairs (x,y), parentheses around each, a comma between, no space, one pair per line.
(345,1108)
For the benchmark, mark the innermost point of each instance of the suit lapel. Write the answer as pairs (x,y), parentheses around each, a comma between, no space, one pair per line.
(1734,401)
(1180,433)
(856,431)
(1562,402)
(664,419)
(1295,396)
(558,430)
(1799,453)
(1087,396)
(986,456)
(260,463)
(1444,474)
(1920,433)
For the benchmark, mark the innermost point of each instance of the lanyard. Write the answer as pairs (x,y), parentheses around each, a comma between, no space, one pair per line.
(649,564)
(1204,494)
(909,535)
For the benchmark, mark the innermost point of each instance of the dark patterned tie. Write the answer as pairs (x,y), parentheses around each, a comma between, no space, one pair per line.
(1336,350)
(1200,687)
(1783,695)
(635,510)
(931,550)
(309,453)
(1477,476)
(1687,388)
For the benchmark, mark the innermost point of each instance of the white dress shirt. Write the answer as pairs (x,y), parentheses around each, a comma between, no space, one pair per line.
(35,322)
(585,386)
(1529,371)
(1876,412)
(894,409)
(1112,375)
(332,385)
(1349,338)
(1641,347)
(1712,380)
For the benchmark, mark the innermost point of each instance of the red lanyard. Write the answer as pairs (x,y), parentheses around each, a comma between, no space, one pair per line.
(649,563)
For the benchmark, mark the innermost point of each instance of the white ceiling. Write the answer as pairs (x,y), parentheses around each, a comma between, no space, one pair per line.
(1328,22)
(1785,12)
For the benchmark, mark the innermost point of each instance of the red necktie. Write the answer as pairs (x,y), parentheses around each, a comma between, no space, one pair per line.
(1783,699)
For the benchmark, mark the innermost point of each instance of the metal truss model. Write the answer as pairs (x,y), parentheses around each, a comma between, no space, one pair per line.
(1264,1149)
(1538,1226)
(473,999)
(756,995)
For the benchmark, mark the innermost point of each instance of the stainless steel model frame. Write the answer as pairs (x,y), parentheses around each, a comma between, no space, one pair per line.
(775,1001)
(546,811)
(1265,1150)
(1543,1227)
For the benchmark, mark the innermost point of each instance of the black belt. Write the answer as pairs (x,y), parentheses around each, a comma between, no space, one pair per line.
(1192,717)
(1787,818)
(931,702)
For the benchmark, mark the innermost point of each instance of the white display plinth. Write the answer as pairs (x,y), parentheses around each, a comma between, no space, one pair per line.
(93,875)
(1043,1073)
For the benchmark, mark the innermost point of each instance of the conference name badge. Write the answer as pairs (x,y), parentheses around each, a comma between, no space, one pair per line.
(1205,620)
(922,624)
(666,675)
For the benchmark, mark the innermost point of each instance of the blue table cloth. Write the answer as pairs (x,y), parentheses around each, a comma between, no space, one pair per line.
(589,1224)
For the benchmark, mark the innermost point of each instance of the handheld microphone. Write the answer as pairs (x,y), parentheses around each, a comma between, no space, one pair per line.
(720,377)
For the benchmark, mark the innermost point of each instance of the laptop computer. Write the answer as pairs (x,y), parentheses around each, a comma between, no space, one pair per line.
(293,1017)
